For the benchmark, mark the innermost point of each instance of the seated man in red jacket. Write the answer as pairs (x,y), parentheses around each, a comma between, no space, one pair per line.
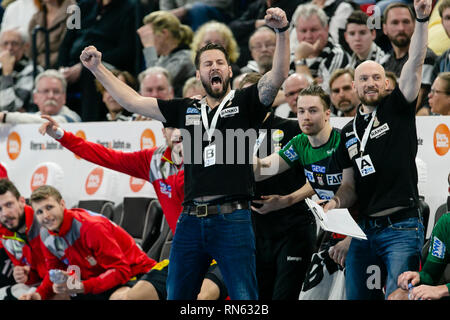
(19,237)
(103,256)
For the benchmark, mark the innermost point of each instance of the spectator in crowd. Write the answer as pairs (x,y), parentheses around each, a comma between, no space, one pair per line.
(16,78)
(337,12)
(343,97)
(442,63)
(220,33)
(253,18)
(154,82)
(398,25)
(105,255)
(115,111)
(438,39)
(193,87)
(19,236)
(232,240)
(18,14)
(392,224)
(292,86)
(424,285)
(110,25)
(284,233)
(262,48)
(316,54)
(197,12)
(439,96)
(50,97)
(166,44)
(361,40)
(52,16)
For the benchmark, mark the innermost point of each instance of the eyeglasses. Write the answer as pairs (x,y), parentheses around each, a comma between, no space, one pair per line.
(46,92)
(260,46)
(434,91)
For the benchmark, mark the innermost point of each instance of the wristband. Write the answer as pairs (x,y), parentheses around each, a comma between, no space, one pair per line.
(282,29)
(4,116)
(423,19)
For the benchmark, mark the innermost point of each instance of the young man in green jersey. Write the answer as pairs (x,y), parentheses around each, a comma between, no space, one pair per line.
(313,149)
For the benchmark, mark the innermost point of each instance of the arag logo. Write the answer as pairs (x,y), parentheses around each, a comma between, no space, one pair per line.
(147,139)
(136,184)
(13,145)
(441,139)
(82,135)
(94,181)
(39,177)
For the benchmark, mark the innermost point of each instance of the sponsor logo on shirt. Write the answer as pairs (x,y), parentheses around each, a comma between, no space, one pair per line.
(350,142)
(291,154)
(192,120)
(165,189)
(192,110)
(348,134)
(378,132)
(320,180)
(324,194)
(438,248)
(309,175)
(91,260)
(334,179)
(319,169)
(229,112)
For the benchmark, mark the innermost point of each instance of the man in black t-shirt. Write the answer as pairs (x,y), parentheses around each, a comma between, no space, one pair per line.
(215,222)
(377,151)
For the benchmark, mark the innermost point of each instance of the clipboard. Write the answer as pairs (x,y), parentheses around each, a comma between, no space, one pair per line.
(336,220)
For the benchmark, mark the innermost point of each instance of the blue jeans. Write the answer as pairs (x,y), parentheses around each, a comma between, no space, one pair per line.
(378,261)
(229,239)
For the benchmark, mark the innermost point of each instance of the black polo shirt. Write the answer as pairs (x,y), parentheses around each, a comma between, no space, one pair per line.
(392,147)
(279,131)
(232,175)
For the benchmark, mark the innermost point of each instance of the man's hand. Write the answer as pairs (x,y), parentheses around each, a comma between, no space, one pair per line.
(307,50)
(330,205)
(62,288)
(20,273)
(276,18)
(51,128)
(7,61)
(146,35)
(423,8)
(339,251)
(270,203)
(407,277)
(73,73)
(91,58)
(425,292)
(30,296)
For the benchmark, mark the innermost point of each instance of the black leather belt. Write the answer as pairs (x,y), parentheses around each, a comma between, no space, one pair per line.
(203,210)
(395,217)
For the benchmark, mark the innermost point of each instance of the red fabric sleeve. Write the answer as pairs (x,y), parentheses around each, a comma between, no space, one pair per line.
(136,164)
(108,254)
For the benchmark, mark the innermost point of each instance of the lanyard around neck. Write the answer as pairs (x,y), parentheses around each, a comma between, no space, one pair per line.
(365,137)
(210,130)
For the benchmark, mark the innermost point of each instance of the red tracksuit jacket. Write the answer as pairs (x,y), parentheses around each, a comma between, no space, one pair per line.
(106,255)
(153,165)
(28,251)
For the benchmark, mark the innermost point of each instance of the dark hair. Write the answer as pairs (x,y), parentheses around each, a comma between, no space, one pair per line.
(251,77)
(340,72)
(445,4)
(445,76)
(398,5)
(6,185)
(357,17)
(45,192)
(317,91)
(210,46)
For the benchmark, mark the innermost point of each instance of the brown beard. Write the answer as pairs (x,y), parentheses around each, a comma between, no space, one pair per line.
(210,92)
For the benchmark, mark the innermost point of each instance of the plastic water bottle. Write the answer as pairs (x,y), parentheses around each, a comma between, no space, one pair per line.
(57,276)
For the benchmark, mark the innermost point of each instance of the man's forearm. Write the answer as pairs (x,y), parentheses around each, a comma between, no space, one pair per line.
(345,197)
(299,195)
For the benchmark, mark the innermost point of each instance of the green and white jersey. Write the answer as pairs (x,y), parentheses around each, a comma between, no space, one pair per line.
(439,253)
(321,168)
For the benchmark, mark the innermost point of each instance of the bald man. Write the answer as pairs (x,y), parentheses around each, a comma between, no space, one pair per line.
(292,86)
(377,153)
